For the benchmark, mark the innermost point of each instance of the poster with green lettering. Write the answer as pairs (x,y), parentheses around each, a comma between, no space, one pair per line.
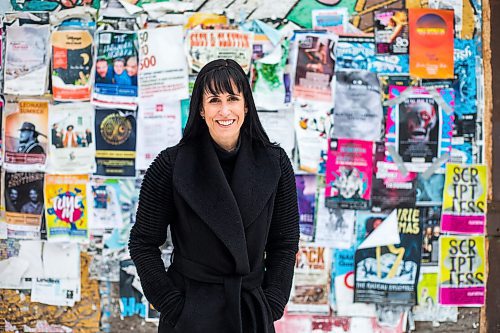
(461,274)
(389,274)
(464,199)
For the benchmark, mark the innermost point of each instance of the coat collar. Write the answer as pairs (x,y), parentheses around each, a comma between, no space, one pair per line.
(226,208)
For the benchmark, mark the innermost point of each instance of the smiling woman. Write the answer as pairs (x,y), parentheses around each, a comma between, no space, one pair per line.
(229,197)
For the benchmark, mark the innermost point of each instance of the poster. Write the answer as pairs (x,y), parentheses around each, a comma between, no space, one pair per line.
(115,132)
(104,204)
(23,202)
(390,188)
(158,127)
(334,20)
(115,77)
(162,75)
(420,125)
(278,125)
(311,284)
(72,61)
(349,174)
(334,226)
(72,138)
(358,111)
(431,231)
(130,297)
(464,199)
(27,56)
(430,190)
(315,66)
(204,46)
(390,273)
(391,31)
(66,207)
(306,196)
(311,125)
(26,134)
(431,47)
(462,271)
(458,8)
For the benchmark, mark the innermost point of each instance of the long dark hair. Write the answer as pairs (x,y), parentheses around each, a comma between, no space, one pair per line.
(218,77)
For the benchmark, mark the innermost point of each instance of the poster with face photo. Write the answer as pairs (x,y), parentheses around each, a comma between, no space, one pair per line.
(420,126)
(115,76)
(26,134)
(431,231)
(115,132)
(72,142)
(23,202)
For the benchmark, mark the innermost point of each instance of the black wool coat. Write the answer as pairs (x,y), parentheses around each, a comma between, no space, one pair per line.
(234,244)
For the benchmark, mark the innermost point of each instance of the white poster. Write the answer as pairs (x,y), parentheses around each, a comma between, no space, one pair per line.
(278,125)
(162,71)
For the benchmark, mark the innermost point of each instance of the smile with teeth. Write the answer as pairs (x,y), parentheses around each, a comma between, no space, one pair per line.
(225,122)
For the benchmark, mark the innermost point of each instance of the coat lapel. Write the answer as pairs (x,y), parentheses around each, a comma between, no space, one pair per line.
(199,179)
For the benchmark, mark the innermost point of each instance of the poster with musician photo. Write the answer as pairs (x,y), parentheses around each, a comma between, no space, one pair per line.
(25,134)
(116,65)
(23,202)
(420,126)
(72,143)
(115,132)
(391,31)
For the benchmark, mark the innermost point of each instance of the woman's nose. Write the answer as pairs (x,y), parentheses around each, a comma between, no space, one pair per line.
(225,110)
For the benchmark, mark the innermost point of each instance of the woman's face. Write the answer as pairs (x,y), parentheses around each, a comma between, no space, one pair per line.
(224,115)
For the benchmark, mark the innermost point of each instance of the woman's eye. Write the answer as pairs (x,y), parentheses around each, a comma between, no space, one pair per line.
(233,99)
(213,100)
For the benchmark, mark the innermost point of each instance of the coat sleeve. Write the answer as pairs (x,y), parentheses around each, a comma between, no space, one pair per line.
(155,211)
(283,240)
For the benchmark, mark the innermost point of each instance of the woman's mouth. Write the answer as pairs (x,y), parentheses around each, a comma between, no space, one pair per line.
(225,123)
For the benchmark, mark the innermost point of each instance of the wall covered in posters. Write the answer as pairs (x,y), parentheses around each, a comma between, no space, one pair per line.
(379,105)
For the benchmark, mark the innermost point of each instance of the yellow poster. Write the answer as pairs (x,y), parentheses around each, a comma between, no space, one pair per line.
(462,276)
(464,199)
(66,203)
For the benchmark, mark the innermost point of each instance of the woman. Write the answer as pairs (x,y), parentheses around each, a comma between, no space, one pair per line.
(229,197)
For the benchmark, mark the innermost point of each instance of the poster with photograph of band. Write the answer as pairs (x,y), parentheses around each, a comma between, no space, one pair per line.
(420,125)
(358,111)
(66,212)
(115,76)
(72,142)
(315,66)
(115,132)
(162,74)
(25,134)
(23,201)
(204,46)
(72,61)
(431,231)
(158,127)
(27,54)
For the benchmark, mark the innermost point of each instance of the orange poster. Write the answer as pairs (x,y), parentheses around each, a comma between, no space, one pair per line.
(431,43)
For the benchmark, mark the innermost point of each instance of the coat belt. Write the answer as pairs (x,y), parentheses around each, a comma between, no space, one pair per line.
(233,284)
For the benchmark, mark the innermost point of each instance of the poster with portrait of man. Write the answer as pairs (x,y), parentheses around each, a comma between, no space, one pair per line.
(25,134)
(23,201)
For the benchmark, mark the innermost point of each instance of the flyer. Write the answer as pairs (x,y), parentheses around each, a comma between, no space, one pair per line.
(431,47)
(311,284)
(419,126)
(72,54)
(334,20)
(158,127)
(349,174)
(389,273)
(115,132)
(115,77)
(430,190)
(306,196)
(464,199)
(72,139)
(391,31)
(104,206)
(204,46)
(462,270)
(27,56)
(278,125)
(315,66)
(161,75)
(66,207)
(26,134)
(431,231)
(358,111)
(23,202)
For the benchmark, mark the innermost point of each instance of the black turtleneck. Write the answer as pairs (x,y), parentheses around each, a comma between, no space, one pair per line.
(227,159)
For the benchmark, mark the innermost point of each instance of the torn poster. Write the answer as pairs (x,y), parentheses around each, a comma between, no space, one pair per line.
(349,174)
(130,298)
(334,20)
(430,190)
(464,199)
(306,192)
(462,271)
